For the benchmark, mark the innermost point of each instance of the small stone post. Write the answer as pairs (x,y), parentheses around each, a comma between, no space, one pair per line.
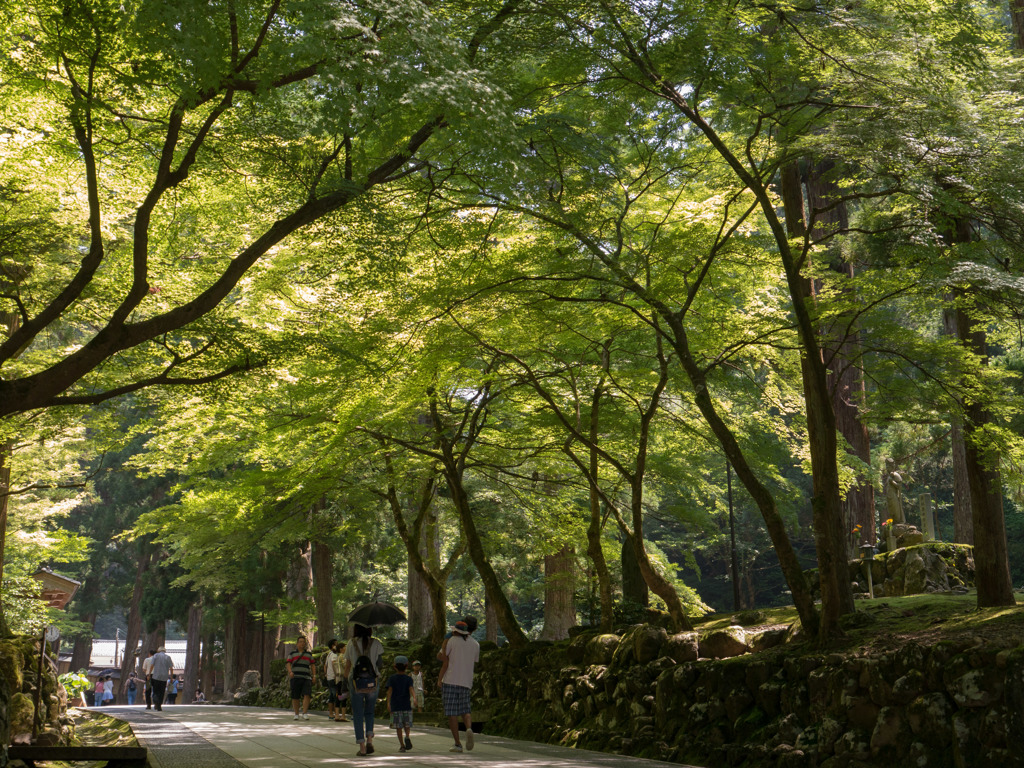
(927,516)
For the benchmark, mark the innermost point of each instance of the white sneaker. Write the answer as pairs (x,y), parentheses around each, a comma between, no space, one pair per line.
(469,740)
(305,716)
(295,718)
(456,748)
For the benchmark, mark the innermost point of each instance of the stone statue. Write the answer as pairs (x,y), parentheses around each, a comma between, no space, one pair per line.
(893,492)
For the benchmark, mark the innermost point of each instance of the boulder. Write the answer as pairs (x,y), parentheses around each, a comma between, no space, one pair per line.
(750,618)
(625,655)
(929,717)
(681,647)
(908,687)
(648,642)
(600,649)
(723,643)
(977,688)
(891,734)
(21,711)
(769,637)
(250,681)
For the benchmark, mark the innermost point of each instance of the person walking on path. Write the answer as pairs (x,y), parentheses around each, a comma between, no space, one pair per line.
(108,690)
(339,679)
(461,653)
(362,669)
(333,679)
(471,625)
(302,674)
(147,673)
(163,670)
(172,691)
(417,683)
(401,692)
(131,689)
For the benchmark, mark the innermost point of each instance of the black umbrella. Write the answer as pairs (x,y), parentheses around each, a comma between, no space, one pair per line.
(376,614)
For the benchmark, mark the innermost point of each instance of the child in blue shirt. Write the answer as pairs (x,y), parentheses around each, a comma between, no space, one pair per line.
(401,699)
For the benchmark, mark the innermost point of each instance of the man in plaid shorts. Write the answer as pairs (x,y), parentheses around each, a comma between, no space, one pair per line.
(461,653)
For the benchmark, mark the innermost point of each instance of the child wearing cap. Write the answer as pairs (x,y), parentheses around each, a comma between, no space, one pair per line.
(417,683)
(401,694)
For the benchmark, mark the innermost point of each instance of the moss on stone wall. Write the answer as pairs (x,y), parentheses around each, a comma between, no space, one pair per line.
(947,704)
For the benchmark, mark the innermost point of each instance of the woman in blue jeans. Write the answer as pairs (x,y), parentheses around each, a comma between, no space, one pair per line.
(362,670)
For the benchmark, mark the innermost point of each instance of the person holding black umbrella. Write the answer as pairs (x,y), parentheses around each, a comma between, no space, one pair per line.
(362,670)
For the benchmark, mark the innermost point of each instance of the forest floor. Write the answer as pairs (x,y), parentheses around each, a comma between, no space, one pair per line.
(889,623)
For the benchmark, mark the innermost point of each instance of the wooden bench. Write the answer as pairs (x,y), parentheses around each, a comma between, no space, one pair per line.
(116,757)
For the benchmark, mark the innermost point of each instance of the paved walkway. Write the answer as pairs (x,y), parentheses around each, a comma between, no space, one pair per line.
(212,736)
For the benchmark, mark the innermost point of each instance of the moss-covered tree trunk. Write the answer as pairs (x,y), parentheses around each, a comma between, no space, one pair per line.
(559,592)
(322,562)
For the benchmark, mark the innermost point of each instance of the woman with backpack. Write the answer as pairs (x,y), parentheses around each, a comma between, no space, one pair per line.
(132,688)
(362,668)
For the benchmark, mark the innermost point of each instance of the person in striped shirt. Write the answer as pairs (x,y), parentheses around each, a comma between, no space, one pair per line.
(302,675)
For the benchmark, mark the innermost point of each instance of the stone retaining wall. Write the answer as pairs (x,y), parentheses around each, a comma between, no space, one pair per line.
(955,705)
(19,660)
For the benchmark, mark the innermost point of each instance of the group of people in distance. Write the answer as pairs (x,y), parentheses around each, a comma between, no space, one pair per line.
(353,672)
(158,670)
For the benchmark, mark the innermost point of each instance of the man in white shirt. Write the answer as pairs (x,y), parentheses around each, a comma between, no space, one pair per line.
(461,653)
(163,669)
(147,672)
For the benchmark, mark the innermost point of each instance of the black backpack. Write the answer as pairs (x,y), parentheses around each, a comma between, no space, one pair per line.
(131,685)
(364,676)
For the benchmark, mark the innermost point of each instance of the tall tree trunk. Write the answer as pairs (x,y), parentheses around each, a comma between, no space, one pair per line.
(991,556)
(842,348)
(659,585)
(421,604)
(559,594)
(796,579)
(273,647)
(1017,20)
(11,323)
(192,651)
(323,590)
(595,527)
(492,585)
(208,667)
(5,490)
(298,580)
(634,588)
(131,660)
(423,546)
(963,525)
(234,647)
(963,520)
(155,638)
(490,622)
(829,531)
(82,653)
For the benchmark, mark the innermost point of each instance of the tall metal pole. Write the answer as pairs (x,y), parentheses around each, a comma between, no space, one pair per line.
(732,535)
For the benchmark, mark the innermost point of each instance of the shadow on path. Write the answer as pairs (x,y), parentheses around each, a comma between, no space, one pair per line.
(171,744)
